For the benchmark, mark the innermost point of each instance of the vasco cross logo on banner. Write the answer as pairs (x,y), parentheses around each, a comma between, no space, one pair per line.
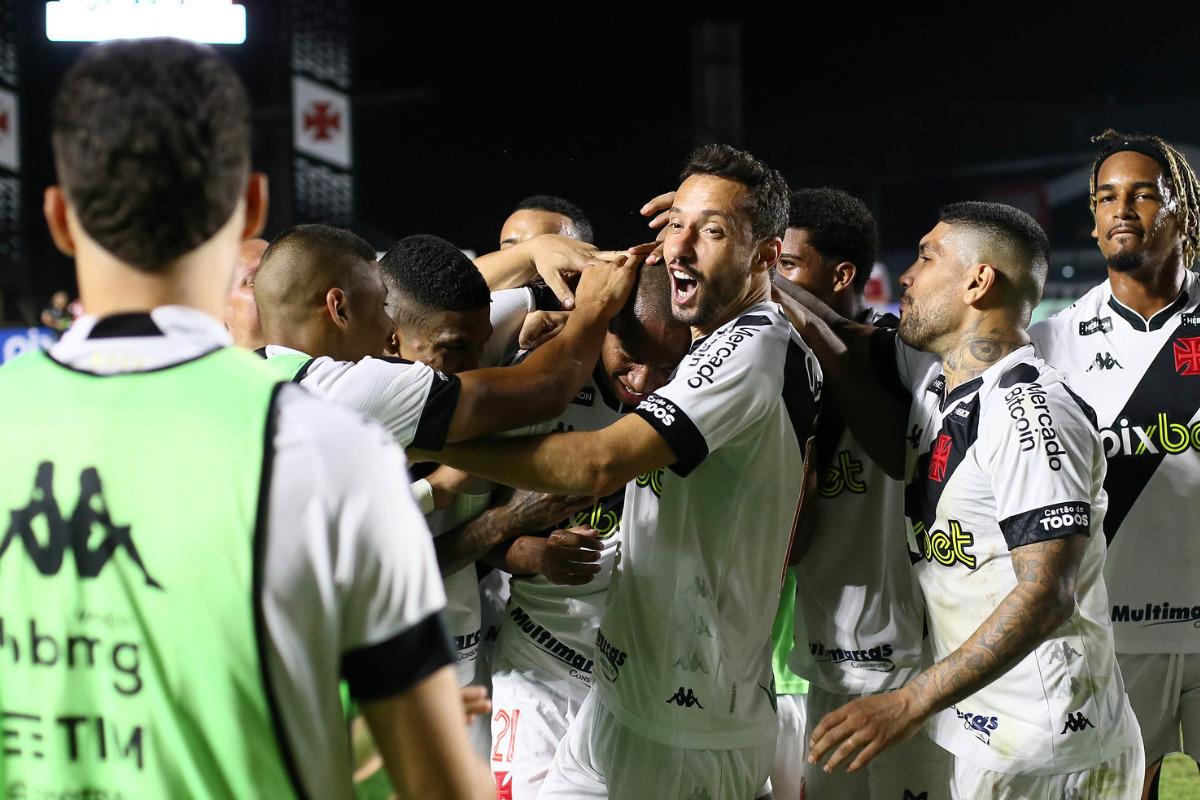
(73,532)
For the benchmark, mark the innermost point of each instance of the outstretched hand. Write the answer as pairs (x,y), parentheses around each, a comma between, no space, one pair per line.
(864,728)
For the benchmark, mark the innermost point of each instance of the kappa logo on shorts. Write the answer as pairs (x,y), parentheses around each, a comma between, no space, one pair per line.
(1095,325)
(71,533)
(914,436)
(1077,722)
(690,664)
(685,698)
(1062,651)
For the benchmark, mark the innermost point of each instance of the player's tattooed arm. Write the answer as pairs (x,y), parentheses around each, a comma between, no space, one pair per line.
(976,350)
(523,512)
(1042,600)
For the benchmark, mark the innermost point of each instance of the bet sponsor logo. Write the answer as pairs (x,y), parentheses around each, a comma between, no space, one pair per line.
(842,476)
(1127,439)
(1095,325)
(653,479)
(982,727)
(945,547)
(1157,614)
(876,659)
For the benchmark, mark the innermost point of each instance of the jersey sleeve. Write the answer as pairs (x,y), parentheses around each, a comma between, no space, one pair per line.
(349,553)
(413,402)
(1042,457)
(508,312)
(719,390)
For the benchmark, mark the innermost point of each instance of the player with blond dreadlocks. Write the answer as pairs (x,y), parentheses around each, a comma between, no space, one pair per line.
(1131,348)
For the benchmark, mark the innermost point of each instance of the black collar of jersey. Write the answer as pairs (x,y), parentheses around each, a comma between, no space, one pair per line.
(1156,321)
(601,380)
(938,386)
(122,325)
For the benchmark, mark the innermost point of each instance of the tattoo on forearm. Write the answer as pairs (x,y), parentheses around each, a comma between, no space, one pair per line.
(1027,615)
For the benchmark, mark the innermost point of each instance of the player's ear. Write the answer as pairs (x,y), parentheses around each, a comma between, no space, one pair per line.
(335,304)
(766,255)
(257,195)
(843,276)
(981,279)
(55,209)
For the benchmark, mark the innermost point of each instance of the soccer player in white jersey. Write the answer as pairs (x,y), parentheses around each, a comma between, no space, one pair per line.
(1004,503)
(718,456)
(546,648)
(859,616)
(273,574)
(321,301)
(1131,347)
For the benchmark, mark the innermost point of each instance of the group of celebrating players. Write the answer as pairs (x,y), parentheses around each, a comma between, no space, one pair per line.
(704,524)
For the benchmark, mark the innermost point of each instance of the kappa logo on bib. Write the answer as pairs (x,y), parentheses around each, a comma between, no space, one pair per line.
(71,533)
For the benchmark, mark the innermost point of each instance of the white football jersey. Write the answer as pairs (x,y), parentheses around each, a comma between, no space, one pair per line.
(549,630)
(859,616)
(684,650)
(1007,459)
(1143,379)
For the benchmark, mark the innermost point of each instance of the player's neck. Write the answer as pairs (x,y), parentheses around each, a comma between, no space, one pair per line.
(985,340)
(758,290)
(1150,289)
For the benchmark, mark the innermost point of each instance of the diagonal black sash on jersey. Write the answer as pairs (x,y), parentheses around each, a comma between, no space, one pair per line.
(1168,386)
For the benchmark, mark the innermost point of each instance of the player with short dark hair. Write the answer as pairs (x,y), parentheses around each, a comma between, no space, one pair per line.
(1003,468)
(544,213)
(1129,348)
(236,546)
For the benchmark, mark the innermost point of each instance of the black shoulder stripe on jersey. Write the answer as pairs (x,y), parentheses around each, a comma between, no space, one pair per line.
(122,325)
(936,466)
(677,429)
(752,321)
(1162,390)
(1021,372)
(1087,410)
(801,402)
(1046,523)
(434,425)
(399,663)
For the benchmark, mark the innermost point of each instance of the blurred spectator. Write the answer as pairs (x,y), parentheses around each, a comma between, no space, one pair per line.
(58,315)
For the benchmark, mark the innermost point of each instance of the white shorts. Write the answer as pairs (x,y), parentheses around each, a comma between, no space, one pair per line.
(528,722)
(914,768)
(791,751)
(1164,692)
(601,758)
(1119,778)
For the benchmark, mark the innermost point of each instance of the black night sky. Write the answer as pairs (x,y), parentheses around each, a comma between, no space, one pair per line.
(457,116)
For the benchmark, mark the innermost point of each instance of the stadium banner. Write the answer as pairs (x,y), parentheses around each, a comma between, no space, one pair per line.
(16,341)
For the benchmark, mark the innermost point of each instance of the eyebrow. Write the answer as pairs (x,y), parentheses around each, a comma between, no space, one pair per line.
(704,212)
(1108,187)
(930,246)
